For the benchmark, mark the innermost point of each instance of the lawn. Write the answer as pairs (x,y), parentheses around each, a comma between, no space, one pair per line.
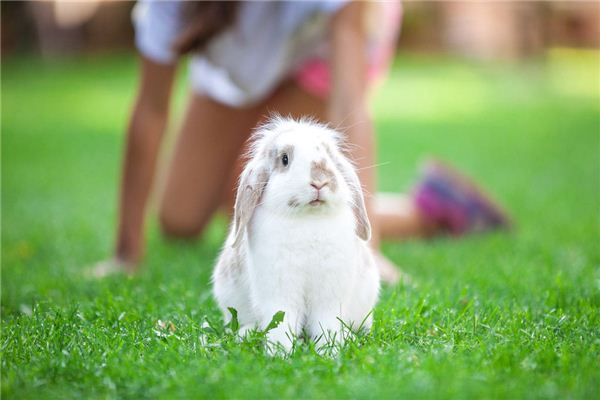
(497,316)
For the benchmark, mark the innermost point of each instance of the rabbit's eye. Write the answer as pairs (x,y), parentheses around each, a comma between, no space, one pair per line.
(284,159)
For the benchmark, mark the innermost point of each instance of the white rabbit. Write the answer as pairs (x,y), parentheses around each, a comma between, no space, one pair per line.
(298,241)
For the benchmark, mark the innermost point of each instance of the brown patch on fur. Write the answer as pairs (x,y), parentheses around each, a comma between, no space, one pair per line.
(320,172)
(276,157)
(363,227)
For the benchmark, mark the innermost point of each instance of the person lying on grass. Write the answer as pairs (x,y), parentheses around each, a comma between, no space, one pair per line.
(249,59)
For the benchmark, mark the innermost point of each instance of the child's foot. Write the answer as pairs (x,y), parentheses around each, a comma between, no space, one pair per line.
(452,202)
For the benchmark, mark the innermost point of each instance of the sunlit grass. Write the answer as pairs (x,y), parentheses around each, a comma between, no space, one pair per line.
(500,316)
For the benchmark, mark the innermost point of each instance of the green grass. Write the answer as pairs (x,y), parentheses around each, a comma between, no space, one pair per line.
(500,316)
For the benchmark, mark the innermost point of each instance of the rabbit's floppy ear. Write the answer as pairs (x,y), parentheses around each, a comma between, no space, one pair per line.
(363,226)
(253,181)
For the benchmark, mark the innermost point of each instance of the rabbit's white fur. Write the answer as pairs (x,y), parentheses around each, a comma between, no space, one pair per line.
(284,253)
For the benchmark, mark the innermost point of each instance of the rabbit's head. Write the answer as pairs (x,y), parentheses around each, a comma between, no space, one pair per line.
(297,167)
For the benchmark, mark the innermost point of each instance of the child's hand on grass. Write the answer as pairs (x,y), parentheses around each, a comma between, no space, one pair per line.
(113,265)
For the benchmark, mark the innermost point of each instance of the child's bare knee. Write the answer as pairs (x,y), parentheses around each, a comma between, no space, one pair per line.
(173,227)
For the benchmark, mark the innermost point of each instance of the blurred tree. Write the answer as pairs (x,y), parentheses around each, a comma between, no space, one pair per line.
(499,30)
(17,28)
(481,30)
(66,27)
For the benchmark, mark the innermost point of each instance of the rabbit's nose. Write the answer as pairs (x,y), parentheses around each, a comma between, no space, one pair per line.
(319,185)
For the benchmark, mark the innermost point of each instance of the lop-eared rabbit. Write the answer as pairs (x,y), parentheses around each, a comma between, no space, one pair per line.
(298,239)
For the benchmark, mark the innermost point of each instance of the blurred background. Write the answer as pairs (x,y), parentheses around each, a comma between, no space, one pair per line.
(472,81)
(507,91)
(479,30)
(498,88)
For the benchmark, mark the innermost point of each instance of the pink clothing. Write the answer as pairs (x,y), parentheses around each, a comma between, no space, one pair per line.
(314,75)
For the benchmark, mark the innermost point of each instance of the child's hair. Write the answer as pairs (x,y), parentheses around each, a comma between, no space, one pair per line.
(203,20)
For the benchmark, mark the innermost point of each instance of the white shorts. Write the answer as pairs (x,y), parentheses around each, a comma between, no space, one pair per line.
(241,66)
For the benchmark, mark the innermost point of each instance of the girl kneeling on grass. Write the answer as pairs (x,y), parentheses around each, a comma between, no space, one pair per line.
(249,59)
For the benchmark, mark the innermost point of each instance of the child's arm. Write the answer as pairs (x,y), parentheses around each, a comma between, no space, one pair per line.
(144,134)
(348,101)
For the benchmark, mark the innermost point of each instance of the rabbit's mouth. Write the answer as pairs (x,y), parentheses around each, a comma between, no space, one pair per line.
(316,202)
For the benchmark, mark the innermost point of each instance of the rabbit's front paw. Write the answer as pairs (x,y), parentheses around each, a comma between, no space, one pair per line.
(279,341)
(244,331)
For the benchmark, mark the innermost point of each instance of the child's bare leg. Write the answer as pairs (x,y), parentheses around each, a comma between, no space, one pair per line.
(211,138)
(399,217)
